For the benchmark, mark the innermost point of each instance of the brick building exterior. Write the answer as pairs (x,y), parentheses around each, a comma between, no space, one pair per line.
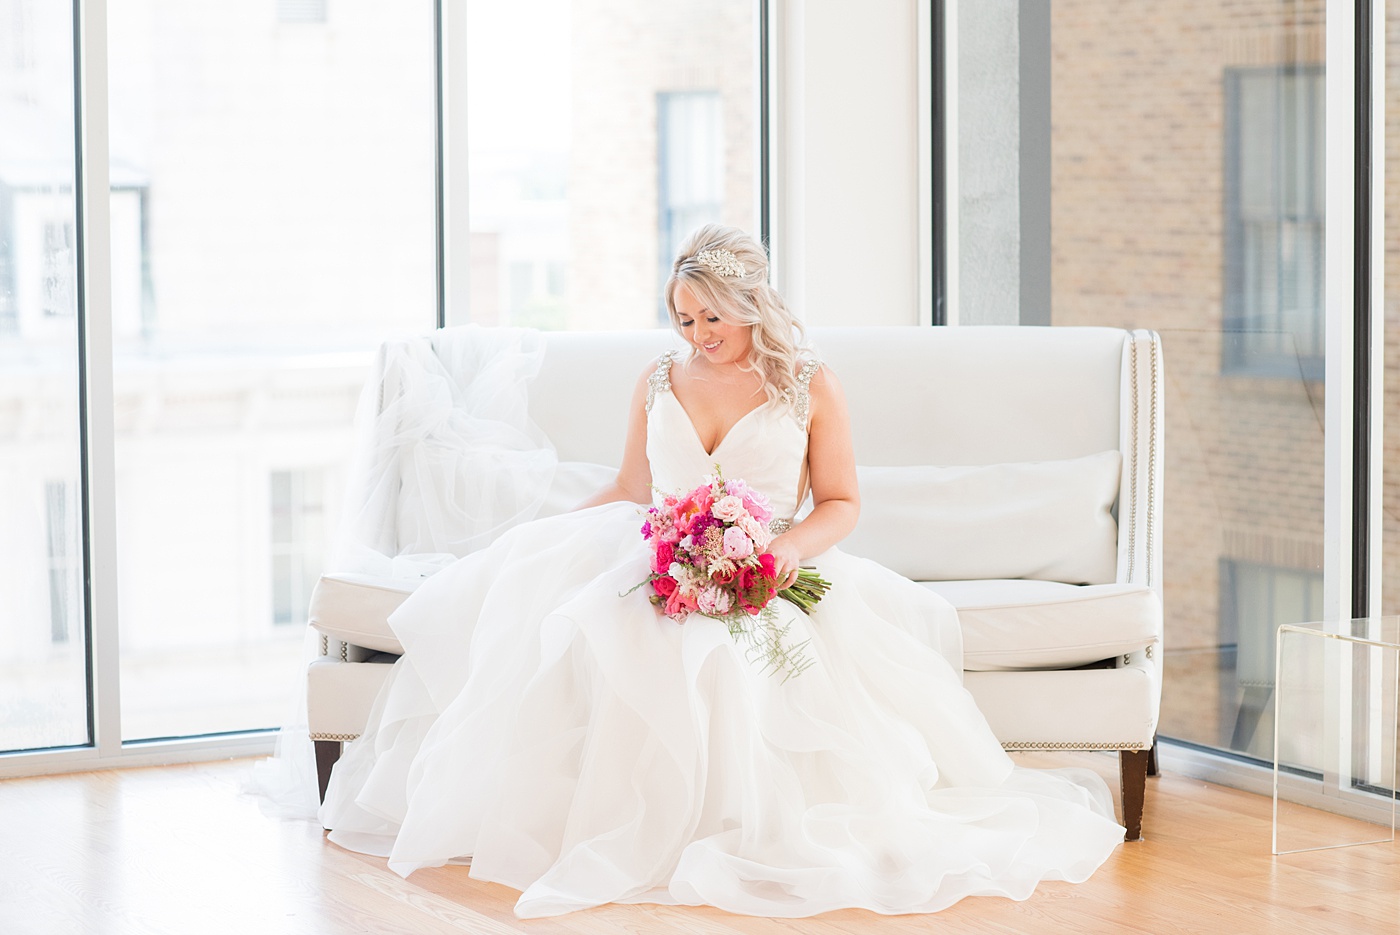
(1149,161)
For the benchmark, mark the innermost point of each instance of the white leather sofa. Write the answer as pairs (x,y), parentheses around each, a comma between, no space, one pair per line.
(1016,471)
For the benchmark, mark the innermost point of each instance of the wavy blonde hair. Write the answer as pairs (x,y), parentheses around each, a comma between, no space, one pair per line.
(777,338)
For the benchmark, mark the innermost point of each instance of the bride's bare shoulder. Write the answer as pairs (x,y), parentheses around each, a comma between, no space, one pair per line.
(823,387)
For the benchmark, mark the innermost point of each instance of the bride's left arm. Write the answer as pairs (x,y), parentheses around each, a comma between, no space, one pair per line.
(831,472)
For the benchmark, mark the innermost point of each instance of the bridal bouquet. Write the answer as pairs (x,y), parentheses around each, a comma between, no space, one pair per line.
(708,557)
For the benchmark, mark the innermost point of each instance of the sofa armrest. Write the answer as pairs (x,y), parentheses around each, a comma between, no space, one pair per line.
(1141,428)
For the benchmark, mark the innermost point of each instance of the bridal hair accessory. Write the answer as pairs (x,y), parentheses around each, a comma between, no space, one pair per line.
(708,556)
(721,262)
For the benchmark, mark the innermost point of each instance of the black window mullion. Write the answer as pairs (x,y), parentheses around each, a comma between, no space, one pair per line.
(938,143)
(1361,321)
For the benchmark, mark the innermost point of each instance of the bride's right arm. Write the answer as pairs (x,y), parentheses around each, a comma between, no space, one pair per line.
(633,483)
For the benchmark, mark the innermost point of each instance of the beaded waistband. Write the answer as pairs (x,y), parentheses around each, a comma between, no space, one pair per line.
(779,526)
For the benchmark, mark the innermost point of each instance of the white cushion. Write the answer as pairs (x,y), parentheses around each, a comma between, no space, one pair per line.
(356,608)
(1050,520)
(1021,624)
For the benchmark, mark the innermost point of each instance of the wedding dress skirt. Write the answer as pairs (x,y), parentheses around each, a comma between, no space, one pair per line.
(583,749)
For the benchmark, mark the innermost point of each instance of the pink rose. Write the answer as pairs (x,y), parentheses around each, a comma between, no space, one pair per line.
(664,556)
(728,509)
(755,531)
(664,586)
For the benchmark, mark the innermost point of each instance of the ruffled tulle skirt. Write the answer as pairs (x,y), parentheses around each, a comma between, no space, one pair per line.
(583,749)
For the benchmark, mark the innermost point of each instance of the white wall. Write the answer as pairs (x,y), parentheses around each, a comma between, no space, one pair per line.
(846,166)
(988,153)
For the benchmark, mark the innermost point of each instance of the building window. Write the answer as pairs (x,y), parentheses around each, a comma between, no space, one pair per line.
(298,542)
(1255,599)
(60,520)
(9,283)
(57,294)
(690,170)
(1274,191)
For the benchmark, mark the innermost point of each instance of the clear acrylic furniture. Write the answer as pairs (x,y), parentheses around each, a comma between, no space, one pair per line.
(1337,691)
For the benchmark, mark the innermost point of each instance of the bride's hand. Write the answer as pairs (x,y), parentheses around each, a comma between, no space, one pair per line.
(786,560)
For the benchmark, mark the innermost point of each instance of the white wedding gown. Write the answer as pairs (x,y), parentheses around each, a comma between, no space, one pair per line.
(583,749)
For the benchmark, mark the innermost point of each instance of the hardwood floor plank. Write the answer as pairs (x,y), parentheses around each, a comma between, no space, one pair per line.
(180,850)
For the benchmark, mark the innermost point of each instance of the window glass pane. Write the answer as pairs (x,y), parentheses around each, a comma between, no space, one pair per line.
(597,130)
(1185,196)
(272,210)
(1390,512)
(43,693)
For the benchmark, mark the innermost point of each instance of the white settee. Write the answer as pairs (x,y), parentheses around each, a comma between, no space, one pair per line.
(1015,470)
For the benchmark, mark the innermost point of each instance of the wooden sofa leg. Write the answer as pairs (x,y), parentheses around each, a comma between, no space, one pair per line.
(1152,758)
(327,752)
(1132,776)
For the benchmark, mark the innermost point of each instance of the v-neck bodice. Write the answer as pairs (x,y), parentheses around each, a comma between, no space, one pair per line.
(767,447)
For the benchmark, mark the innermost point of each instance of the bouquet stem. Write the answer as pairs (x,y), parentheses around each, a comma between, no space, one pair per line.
(807,590)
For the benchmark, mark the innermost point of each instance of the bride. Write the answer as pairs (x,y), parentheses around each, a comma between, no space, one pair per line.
(578,746)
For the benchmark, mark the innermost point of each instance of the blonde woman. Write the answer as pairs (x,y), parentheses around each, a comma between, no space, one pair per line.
(548,723)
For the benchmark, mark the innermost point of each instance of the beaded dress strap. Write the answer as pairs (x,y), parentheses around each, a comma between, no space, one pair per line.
(660,379)
(802,402)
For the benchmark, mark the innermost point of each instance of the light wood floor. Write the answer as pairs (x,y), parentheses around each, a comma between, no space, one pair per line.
(180,850)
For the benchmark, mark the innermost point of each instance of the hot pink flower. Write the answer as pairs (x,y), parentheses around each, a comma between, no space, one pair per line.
(664,556)
(698,500)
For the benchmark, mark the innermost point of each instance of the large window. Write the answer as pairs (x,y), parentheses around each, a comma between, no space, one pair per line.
(597,131)
(43,690)
(1185,194)
(272,215)
(272,220)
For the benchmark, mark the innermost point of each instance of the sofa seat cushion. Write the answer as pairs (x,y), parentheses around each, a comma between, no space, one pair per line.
(355,608)
(1006,623)
(1026,624)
